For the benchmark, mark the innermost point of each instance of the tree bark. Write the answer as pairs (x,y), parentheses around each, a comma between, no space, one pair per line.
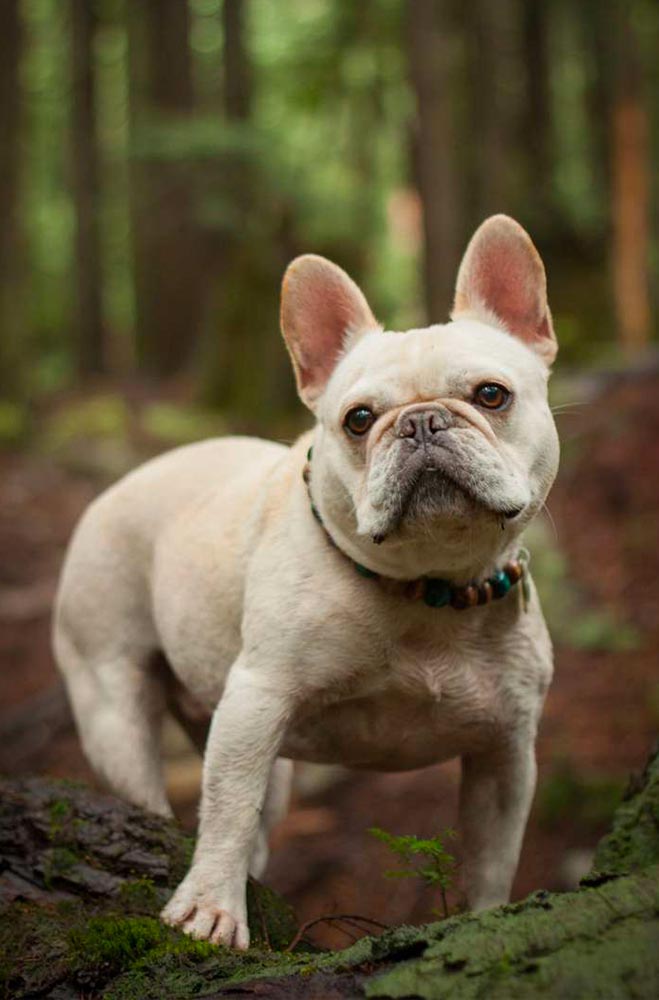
(599,42)
(631,193)
(431,56)
(86,193)
(166,238)
(242,369)
(237,76)
(83,876)
(10,291)
(538,128)
(490,37)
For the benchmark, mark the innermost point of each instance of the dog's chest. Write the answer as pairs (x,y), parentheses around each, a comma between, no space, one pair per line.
(418,707)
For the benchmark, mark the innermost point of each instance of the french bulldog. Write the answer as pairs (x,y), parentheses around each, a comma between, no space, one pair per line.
(357,603)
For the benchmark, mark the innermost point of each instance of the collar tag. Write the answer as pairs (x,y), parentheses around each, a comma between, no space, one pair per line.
(524,559)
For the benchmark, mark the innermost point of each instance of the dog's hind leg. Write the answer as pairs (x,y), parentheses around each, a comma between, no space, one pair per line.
(118,703)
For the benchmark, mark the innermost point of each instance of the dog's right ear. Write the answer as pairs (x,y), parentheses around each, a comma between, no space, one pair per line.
(322,312)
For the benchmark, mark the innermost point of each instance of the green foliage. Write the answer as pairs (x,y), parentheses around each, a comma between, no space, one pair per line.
(140,895)
(174,425)
(113,944)
(13,422)
(588,800)
(60,813)
(324,160)
(95,418)
(602,631)
(196,138)
(633,842)
(58,862)
(564,605)
(426,859)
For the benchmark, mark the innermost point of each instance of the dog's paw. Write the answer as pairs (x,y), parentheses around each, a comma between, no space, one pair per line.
(207,913)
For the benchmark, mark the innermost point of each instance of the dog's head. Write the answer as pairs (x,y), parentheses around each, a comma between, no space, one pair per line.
(437,444)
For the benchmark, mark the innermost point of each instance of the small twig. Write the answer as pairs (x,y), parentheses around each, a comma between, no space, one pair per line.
(264,923)
(444,902)
(351,918)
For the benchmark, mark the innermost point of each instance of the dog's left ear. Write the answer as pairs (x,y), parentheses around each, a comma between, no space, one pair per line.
(502,278)
(322,312)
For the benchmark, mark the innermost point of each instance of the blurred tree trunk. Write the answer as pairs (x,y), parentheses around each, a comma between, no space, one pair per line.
(138,180)
(431,55)
(631,192)
(596,18)
(489,35)
(259,373)
(241,372)
(166,238)
(228,353)
(237,69)
(10,357)
(538,135)
(90,353)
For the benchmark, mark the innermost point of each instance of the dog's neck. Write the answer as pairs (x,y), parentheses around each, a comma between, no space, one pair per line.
(460,591)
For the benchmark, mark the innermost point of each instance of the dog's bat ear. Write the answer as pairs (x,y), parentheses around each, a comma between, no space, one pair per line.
(323,312)
(502,280)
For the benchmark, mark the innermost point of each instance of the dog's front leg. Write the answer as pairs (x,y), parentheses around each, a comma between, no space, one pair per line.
(243,740)
(495,799)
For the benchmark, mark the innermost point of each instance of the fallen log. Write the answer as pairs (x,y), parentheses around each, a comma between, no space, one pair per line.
(83,876)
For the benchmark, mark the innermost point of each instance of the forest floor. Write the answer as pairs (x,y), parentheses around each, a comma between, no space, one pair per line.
(599,576)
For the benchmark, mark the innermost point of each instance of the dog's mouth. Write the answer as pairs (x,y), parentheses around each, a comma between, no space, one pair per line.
(434,486)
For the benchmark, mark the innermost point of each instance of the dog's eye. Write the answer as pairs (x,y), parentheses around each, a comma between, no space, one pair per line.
(491,395)
(359,420)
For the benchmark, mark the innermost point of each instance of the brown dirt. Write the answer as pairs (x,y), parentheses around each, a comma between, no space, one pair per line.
(601,714)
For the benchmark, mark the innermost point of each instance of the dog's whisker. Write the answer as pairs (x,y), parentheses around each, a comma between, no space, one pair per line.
(563,407)
(551,520)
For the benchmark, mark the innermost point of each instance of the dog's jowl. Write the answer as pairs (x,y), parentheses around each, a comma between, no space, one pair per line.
(313,601)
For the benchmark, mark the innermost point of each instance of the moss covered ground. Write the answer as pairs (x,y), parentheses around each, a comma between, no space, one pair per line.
(83,879)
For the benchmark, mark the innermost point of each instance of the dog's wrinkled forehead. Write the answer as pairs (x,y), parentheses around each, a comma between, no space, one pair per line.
(390,369)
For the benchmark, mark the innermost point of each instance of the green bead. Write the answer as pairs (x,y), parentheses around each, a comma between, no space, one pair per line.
(365,571)
(437,593)
(500,583)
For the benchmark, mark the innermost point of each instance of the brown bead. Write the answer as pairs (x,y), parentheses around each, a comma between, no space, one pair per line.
(458,599)
(306,473)
(485,593)
(464,597)
(513,571)
(414,589)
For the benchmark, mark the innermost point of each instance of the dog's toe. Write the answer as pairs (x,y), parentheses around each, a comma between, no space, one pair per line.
(224,929)
(177,911)
(201,923)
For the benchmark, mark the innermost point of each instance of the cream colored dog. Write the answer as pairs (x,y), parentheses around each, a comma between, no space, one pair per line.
(432,451)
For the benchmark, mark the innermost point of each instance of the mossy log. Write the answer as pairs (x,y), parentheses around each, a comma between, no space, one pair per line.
(83,876)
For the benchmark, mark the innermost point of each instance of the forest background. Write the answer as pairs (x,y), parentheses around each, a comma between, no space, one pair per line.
(162,161)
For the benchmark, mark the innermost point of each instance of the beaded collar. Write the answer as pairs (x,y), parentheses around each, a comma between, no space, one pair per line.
(438,593)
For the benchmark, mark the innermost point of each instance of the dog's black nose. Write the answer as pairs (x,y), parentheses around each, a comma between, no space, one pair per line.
(422,425)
